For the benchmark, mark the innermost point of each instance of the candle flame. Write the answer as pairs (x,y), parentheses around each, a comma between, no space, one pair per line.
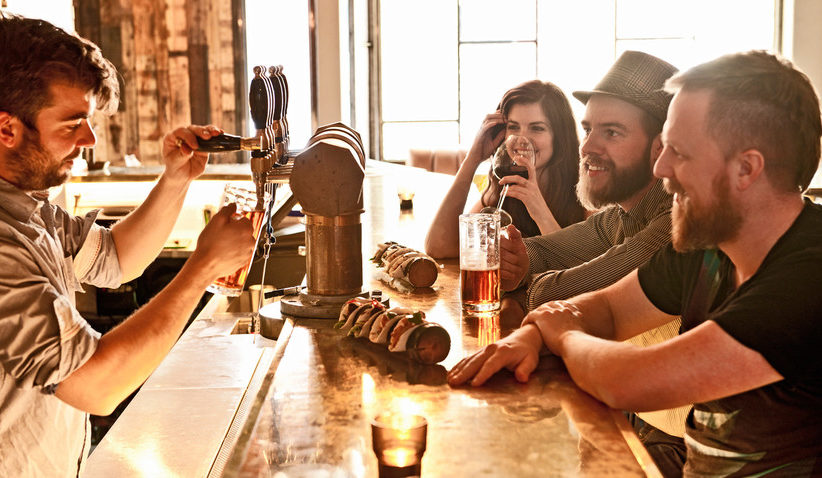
(399,456)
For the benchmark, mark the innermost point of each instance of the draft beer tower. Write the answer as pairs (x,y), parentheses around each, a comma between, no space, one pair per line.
(326,179)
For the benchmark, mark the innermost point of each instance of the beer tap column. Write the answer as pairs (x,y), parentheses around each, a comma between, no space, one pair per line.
(262,102)
(327,179)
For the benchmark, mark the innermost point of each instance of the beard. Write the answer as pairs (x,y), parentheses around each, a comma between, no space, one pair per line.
(696,227)
(624,182)
(33,167)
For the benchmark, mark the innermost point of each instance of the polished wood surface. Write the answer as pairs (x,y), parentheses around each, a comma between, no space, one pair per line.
(313,416)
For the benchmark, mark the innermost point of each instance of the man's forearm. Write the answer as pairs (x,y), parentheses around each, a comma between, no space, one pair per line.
(140,236)
(128,354)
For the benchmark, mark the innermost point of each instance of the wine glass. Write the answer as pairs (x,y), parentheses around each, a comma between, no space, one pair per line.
(509,160)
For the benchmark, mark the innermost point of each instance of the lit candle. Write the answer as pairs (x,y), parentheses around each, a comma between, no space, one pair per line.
(406,195)
(399,456)
(399,441)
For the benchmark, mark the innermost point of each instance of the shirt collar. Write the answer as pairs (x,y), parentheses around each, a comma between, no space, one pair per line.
(18,203)
(654,202)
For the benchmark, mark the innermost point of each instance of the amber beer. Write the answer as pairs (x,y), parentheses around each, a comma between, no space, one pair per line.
(232,284)
(480,289)
(479,262)
(245,200)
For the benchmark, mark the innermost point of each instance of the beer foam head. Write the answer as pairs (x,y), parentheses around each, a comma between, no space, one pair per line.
(478,263)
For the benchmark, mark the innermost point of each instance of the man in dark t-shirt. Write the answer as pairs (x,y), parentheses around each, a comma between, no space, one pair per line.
(741,141)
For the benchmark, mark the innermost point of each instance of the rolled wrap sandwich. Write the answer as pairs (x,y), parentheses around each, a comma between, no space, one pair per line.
(349,312)
(400,329)
(407,264)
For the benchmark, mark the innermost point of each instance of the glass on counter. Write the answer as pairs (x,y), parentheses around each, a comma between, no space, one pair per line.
(399,441)
(479,262)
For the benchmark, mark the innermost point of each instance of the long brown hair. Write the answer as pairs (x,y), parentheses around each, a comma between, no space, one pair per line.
(558,178)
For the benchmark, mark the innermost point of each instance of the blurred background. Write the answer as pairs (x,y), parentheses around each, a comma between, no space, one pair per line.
(406,75)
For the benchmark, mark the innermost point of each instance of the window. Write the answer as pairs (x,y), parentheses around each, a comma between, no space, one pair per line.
(57,12)
(277,34)
(446,63)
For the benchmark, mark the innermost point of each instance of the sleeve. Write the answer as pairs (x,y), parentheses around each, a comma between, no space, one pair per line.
(43,338)
(571,274)
(92,248)
(568,247)
(661,279)
(778,313)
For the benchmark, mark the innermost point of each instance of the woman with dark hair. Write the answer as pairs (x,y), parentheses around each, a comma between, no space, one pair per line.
(543,203)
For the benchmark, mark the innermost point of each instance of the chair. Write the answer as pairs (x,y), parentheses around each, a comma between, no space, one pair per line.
(438,161)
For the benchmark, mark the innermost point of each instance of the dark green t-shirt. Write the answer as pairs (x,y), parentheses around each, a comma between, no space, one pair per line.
(778,313)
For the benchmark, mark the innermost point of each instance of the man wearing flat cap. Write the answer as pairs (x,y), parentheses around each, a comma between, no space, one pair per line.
(623,120)
(741,144)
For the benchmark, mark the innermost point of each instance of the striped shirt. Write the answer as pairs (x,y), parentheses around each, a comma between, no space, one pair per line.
(599,251)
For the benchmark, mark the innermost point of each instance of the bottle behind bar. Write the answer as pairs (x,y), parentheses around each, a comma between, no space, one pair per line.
(229,142)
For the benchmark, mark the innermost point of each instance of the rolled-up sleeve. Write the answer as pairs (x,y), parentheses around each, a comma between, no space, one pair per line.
(43,338)
(92,247)
(96,262)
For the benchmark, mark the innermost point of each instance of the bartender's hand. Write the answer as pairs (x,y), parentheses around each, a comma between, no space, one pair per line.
(182,161)
(488,138)
(513,258)
(519,353)
(225,244)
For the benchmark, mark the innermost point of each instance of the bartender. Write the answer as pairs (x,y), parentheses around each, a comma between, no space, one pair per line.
(55,368)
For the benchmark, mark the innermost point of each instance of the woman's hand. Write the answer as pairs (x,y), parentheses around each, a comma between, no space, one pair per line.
(489,137)
(528,191)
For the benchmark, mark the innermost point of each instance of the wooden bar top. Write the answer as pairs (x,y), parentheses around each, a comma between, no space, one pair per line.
(312,416)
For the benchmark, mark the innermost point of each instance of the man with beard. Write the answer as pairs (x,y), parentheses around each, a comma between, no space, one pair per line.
(623,119)
(741,143)
(54,368)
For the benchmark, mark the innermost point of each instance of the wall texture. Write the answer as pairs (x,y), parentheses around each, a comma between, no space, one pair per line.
(181,62)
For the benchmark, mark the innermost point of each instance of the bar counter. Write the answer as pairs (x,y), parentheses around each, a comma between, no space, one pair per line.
(307,408)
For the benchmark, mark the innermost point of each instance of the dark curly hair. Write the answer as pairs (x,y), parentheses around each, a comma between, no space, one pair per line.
(35,53)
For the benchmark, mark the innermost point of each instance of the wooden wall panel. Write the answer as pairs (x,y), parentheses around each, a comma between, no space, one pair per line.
(178,66)
(146,56)
(177,24)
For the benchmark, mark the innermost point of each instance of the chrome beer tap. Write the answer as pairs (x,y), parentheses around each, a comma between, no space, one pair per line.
(326,178)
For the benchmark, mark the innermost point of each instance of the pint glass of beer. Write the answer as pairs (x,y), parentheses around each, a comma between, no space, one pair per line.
(245,200)
(479,262)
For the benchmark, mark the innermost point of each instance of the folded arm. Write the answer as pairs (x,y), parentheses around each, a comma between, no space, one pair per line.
(703,364)
(579,259)
(442,239)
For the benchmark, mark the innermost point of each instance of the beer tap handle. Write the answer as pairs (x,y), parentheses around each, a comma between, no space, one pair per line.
(278,77)
(280,139)
(261,103)
(273,75)
(284,110)
(260,99)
